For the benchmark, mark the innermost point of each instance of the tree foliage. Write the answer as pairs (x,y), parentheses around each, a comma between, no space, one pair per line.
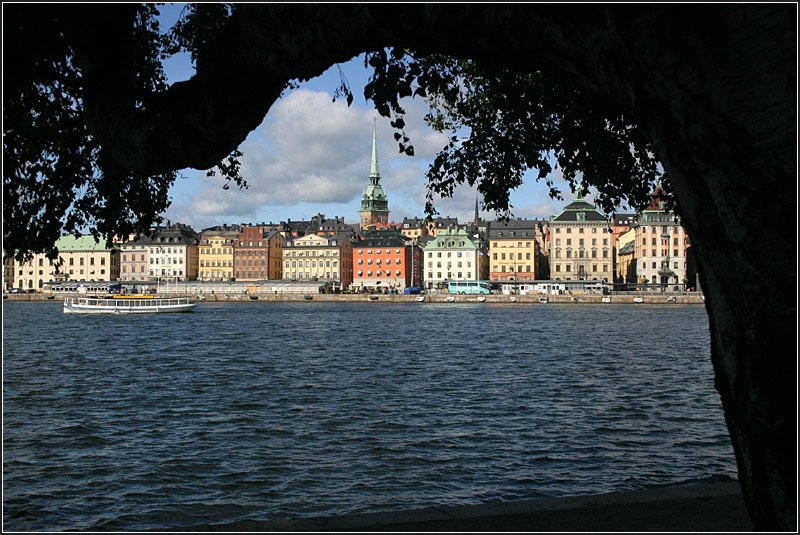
(512,122)
(56,178)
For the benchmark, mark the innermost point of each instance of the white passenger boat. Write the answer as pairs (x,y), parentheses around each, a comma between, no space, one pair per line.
(638,300)
(127,304)
(605,300)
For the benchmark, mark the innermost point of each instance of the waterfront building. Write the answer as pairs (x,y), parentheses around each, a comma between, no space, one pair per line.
(258,254)
(374,201)
(624,258)
(215,252)
(620,224)
(661,243)
(134,259)
(80,259)
(515,250)
(580,243)
(319,258)
(173,254)
(386,260)
(454,255)
(8,273)
(416,227)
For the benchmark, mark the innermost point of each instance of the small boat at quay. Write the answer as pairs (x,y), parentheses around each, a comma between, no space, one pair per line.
(127,304)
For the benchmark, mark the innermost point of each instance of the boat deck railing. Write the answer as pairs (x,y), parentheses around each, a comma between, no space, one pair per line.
(127,303)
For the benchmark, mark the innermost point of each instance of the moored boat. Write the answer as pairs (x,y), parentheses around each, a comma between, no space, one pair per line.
(605,300)
(638,300)
(543,300)
(127,304)
(480,299)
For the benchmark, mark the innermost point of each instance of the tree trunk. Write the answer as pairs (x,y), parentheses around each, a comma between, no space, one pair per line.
(713,86)
(731,160)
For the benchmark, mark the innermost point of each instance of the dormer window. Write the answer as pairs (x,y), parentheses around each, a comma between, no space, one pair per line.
(581,216)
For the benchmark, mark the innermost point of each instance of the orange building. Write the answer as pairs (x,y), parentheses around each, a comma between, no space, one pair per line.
(384,260)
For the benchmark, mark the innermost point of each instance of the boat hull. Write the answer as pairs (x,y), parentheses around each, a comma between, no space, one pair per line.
(127,306)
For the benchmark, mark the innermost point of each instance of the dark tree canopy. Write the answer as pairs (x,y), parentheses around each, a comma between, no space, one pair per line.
(93,137)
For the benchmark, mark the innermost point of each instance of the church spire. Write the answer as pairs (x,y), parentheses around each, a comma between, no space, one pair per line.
(374,169)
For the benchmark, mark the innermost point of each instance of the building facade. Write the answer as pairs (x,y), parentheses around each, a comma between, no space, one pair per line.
(385,260)
(454,255)
(215,253)
(319,258)
(258,254)
(580,243)
(172,256)
(624,258)
(661,244)
(134,259)
(515,250)
(80,259)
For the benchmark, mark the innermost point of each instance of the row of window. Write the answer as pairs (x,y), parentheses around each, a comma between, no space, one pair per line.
(449,264)
(377,251)
(658,264)
(310,253)
(655,241)
(568,230)
(216,263)
(305,275)
(378,261)
(429,254)
(379,273)
(511,269)
(580,242)
(494,244)
(511,256)
(458,275)
(580,253)
(311,263)
(660,253)
(568,268)
(168,260)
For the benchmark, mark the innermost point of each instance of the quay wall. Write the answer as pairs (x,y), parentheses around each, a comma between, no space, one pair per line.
(648,298)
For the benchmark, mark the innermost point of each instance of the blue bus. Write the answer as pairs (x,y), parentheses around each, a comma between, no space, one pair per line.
(469,287)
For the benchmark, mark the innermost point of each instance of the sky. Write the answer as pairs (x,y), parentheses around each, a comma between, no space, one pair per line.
(311,155)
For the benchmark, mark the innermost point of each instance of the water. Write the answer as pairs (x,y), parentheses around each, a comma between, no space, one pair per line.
(269,411)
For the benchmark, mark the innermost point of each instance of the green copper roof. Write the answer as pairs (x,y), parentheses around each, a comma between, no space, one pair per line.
(374,199)
(83,243)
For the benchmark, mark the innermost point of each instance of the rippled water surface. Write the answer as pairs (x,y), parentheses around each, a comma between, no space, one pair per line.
(268,411)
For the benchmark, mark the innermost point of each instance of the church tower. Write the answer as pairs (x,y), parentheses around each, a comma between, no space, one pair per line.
(374,202)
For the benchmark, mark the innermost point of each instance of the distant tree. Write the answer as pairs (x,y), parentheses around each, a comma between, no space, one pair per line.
(709,91)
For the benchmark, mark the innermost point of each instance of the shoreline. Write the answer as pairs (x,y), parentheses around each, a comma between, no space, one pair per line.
(530,299)
(717,506)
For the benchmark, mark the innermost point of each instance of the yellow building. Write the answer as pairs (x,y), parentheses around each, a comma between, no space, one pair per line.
(216,254)
(626,257)
(515,250)
(580,243)
(80,259)
(319,258)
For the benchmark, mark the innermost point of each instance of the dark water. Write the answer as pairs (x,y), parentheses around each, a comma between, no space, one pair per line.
(268,411)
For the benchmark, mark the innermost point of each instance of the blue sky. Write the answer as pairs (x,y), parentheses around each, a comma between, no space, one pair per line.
(311,155)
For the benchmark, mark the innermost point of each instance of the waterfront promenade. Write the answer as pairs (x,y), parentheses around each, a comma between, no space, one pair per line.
(707,507)
(245,297)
